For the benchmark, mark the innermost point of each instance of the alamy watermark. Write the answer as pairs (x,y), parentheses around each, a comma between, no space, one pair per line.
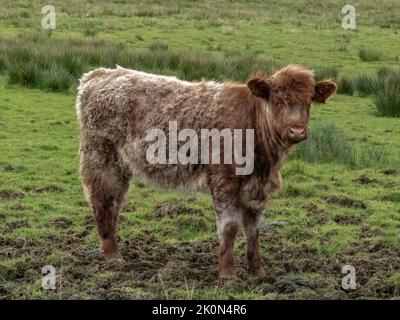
(349,20)
(349,280)
(49,20)
(196,150)
(49,277)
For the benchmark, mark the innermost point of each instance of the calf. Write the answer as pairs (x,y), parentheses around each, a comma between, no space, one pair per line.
(117,107)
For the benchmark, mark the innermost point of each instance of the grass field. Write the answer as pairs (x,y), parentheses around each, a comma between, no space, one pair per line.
(341,204)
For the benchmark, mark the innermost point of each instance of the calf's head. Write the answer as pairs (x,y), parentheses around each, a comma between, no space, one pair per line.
(288,95)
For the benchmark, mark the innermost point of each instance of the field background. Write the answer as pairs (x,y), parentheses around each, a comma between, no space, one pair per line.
(341,203)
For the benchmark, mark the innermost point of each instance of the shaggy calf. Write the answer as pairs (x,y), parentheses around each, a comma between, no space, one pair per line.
(117,107)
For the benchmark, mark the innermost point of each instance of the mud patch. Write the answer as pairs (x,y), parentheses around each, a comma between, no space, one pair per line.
(129,208)
(293,192)
(192,199)
(392,197)
(173,210)
(9,194)
(88,222)
(61,223)
(140,185)
(81,204)
(16,224)
(345,202)
(8,167)
(347,219)
(197,261)
(336,182)
(390,172)
(370,266)
(17,207)
(48,189)
(364,179)
(316,213)
(290,283)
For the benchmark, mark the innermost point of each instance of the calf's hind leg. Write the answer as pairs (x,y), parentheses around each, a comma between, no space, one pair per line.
(106,190)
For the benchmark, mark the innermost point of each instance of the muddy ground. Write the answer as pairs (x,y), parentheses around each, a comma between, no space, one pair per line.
(156,270)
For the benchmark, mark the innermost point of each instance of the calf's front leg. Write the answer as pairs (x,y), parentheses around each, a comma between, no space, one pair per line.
(228,227)
(225,190)
(251,224)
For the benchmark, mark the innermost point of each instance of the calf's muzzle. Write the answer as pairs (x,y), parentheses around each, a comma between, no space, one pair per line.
(297,134)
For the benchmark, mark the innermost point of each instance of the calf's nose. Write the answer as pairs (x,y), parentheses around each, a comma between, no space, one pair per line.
(297,133)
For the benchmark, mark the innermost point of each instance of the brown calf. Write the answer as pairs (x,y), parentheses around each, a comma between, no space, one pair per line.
(117,107)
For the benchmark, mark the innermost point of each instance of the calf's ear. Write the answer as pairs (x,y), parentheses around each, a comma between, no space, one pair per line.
(259,88)
(323,90)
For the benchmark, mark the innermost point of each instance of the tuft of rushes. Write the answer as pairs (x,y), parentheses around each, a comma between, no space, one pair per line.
(345,85)
(387,103)
(27,59)
(324,73)
(368,54)
(366,84)
(25,74)
(387,92)
(57,79)
(158,45)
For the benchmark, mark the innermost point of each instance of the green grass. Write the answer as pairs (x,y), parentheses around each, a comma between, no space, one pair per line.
(316,226)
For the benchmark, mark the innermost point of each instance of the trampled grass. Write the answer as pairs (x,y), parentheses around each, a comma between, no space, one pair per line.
(340,205)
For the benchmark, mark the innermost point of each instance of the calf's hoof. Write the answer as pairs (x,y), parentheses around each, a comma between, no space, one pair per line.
(227,273)
(258,272)
(114,257)
(110,251)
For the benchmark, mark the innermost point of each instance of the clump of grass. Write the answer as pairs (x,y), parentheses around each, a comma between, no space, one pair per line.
(388,72)
(371,156)
(343,41)
(345,85)
(387,103)
(139,37)
(25,74)
(158,45)
(365,84)
(57,79)
(145,13)
(385,88)
(3,64)
(324,73)
(89,29)
(368,54)
(69,61)
(25,14)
